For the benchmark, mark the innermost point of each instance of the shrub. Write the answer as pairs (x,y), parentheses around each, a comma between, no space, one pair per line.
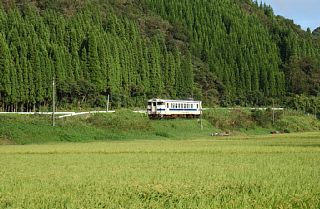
(264,118)
(226,119)
(122,120)
(298,124)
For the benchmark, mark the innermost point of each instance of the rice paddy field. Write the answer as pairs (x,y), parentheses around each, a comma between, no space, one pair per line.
(278,171)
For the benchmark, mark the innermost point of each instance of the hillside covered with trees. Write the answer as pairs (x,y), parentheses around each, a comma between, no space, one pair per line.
(224,52)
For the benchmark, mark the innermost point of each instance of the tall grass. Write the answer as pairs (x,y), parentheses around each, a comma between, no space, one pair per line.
(280,171)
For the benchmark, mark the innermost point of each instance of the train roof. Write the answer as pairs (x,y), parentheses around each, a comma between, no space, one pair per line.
(171,100)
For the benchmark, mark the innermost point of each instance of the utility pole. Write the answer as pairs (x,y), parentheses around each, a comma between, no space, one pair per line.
(201,124)
(273,117)
(108,103)
(53,102)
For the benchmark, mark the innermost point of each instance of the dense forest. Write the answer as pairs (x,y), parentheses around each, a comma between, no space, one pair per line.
(224,52)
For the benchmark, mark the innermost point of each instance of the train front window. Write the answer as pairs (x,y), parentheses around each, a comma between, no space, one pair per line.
(149,103)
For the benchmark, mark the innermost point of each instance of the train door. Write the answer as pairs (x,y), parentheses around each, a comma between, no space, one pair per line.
(154,107)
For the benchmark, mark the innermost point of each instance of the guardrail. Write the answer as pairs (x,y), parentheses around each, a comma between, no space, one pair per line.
(239,108)
(37,113)
(70,114)
(62,114)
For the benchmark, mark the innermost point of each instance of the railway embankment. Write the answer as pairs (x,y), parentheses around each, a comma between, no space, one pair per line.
(128,125)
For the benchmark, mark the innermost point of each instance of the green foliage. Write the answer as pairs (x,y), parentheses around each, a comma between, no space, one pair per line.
(251,51)
(265,118)
(310,105)
(225,38)
(252,121)
(298,124)
(123,121)
(222,52)
(227,119)
(92,52)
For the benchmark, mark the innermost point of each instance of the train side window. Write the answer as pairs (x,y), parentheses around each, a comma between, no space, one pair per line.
(167,105)
(197,106)
(191,106)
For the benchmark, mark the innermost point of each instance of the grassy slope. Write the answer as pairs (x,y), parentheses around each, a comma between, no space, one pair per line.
(238,172)
(125,125)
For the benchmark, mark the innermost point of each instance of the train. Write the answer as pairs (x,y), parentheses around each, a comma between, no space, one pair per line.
(162,108)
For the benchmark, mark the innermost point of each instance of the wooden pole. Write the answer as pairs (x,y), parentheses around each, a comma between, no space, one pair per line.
(201,124)
(53,103)
(108,103)
(273,117)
